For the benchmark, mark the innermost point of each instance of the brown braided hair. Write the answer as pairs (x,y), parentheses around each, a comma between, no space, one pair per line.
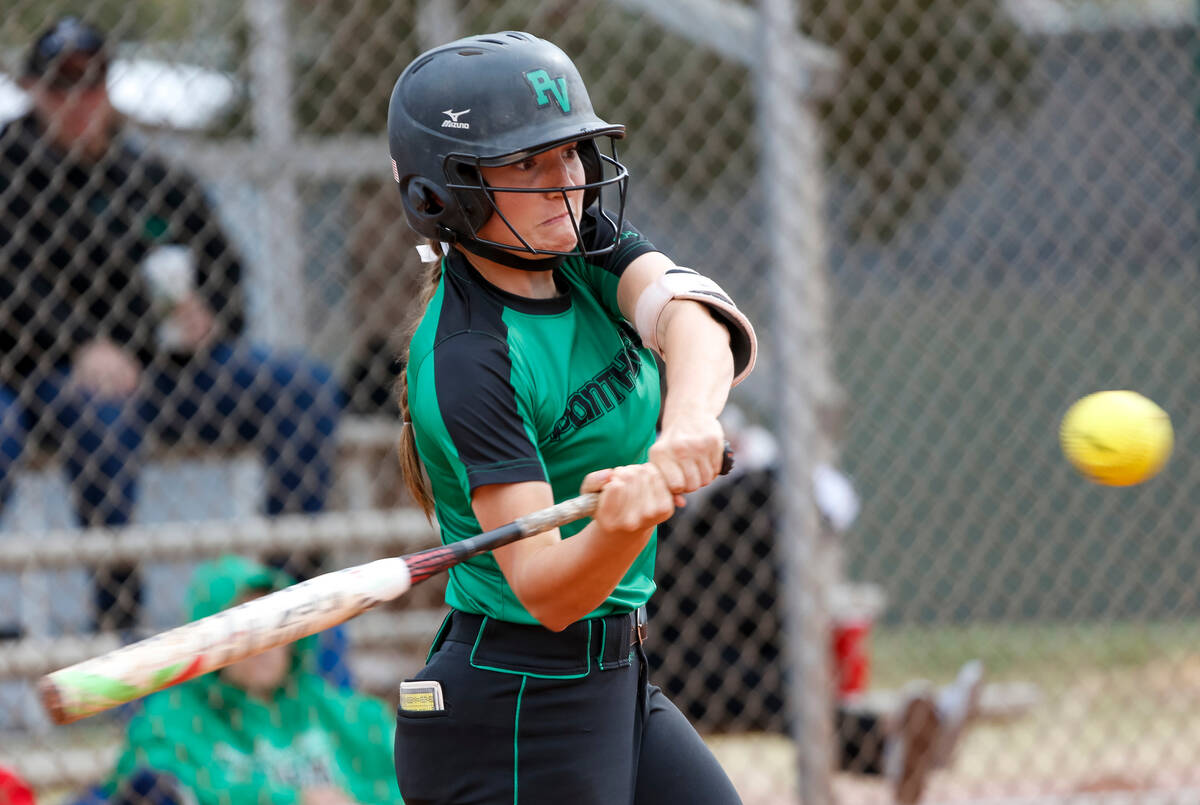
(410,462)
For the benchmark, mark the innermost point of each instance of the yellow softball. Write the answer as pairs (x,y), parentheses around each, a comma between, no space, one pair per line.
(1116,438)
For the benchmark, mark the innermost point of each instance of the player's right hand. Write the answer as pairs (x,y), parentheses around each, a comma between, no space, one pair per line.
(103,368)
(688,451)
(633,498)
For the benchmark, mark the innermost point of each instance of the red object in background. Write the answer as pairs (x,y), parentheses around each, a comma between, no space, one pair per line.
(853,610)
(852,657)
(14,790)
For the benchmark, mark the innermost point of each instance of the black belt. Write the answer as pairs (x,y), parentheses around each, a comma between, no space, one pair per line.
(514,646)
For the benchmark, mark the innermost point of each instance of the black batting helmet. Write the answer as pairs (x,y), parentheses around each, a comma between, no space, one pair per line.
(485,101)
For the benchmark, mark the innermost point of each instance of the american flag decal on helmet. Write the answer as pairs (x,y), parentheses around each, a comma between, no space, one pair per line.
(395,172)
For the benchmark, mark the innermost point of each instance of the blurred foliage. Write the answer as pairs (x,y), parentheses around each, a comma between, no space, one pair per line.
(651,80)
(911,67)
(348,55)
(675,87)
(123,19)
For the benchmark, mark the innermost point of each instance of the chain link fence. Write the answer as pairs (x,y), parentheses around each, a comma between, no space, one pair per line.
(948,218)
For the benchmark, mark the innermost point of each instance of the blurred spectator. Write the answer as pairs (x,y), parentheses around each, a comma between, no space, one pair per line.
(727,642)
(121,314)
(266,729)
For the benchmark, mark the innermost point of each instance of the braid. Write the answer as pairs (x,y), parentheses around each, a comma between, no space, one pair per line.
(410,461)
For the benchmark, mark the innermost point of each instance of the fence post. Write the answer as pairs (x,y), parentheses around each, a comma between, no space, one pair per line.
(791,176)
(437,23)
(275,134)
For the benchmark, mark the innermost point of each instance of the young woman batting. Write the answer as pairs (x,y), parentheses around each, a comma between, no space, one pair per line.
(530,377)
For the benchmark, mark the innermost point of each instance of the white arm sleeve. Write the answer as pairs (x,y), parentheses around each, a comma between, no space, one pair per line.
(684,283)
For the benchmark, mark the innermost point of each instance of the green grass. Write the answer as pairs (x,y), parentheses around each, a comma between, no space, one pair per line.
(1033,652)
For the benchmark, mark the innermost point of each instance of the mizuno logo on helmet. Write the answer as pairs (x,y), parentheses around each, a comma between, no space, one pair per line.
(453,123)
(542,83)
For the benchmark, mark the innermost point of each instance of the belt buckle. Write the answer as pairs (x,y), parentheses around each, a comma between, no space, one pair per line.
(639,625)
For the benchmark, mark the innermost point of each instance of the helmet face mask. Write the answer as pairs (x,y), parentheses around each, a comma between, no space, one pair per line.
(464,178)
(489,101)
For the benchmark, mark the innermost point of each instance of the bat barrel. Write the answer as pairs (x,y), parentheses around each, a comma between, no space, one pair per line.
(52,701)
(208,644)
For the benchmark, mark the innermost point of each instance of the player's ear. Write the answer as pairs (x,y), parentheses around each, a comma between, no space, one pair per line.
(424,198)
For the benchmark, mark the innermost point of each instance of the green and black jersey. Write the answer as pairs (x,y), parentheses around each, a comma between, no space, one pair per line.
(504,389)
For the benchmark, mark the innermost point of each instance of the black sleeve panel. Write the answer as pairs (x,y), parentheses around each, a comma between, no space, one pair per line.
(598,228)
(481,412)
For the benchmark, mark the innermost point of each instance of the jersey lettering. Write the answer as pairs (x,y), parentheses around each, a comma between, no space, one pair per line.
(601,394)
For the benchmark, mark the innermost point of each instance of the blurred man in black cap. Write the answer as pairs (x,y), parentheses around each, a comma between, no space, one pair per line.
(66,74)
(121,310)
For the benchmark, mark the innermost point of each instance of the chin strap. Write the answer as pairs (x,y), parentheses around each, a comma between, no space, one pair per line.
(511,260)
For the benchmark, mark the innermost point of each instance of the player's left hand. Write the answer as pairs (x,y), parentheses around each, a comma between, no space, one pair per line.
(688,452)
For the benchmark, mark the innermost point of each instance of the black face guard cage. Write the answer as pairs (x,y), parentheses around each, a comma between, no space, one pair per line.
(620,178)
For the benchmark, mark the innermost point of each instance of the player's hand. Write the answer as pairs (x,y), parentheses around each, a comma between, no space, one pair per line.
(194,320)
(689,452)
(633,498)
(103,368)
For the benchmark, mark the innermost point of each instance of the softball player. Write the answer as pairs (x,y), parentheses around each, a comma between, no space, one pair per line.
(530,377)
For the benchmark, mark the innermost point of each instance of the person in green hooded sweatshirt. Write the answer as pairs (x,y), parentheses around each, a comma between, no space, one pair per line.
(267,730)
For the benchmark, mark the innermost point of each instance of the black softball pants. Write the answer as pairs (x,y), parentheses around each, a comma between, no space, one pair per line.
(534,717)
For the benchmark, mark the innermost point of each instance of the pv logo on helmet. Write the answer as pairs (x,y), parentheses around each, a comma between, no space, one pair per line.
(541,82)
(453,122)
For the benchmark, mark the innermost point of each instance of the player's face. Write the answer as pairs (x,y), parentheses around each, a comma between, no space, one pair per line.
(543,219)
